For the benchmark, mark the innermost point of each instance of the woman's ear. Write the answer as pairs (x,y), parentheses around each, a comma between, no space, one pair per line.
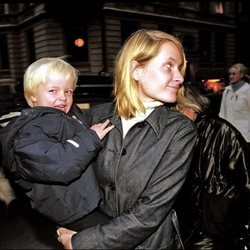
(135,70)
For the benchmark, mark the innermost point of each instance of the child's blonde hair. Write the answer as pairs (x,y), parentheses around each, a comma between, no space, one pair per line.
(38,72)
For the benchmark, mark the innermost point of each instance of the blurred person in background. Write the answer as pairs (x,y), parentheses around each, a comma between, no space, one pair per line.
(213,205)
(235,103)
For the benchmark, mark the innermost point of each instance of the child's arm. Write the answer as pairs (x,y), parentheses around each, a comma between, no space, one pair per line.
(55,151)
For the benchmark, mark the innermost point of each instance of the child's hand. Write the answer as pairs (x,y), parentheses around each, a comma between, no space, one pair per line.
(102,128)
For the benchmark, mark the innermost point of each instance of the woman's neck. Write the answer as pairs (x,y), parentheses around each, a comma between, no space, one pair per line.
(237,85)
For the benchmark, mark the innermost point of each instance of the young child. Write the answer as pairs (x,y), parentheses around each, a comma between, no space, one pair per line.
(48,148)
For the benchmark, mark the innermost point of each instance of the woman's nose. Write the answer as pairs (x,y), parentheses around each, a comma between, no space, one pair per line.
(178,77)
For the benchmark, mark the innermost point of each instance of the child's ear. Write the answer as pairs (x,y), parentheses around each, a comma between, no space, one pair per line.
(33,98)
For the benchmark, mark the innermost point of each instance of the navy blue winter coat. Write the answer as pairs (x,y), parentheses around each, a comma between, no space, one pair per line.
(48,152)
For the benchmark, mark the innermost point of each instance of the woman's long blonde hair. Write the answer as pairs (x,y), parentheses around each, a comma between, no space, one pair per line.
(191,97)
(141,46)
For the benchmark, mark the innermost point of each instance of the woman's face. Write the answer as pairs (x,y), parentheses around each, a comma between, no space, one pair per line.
(234,75)
(160,78)
(55,93)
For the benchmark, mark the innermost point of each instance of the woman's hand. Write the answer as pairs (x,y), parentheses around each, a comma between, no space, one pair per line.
(64,236)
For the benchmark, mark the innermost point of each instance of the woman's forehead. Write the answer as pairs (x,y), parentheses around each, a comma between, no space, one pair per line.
(170,50)
(234,69)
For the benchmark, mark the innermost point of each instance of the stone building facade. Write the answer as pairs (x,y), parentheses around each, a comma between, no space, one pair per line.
(89,36)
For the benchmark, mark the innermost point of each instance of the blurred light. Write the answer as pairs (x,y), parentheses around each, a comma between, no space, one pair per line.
(79,42)
(214,85)
(219,8)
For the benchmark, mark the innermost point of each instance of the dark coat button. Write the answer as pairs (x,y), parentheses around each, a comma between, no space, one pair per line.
(124,151)
(112,187)
(141,124)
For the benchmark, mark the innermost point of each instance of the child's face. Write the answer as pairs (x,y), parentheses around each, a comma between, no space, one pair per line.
(56,93)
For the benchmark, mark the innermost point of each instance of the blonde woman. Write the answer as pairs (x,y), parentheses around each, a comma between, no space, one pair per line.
(145,158)
(235,103)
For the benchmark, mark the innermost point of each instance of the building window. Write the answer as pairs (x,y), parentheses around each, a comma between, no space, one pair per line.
(2,9)
(31,55)
(188,42)
(204,38)
(217,7)
(189,5)
(167,28)
(230,9)
(219,47)
(4,56)
(127,28)
(77,44)
(204,7)
(13,8)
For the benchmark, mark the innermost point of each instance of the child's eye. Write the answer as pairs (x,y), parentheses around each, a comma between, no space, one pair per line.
(69,92)
(52,90)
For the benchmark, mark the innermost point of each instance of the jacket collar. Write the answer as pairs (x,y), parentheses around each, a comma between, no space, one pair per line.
(157,119)
(37,110)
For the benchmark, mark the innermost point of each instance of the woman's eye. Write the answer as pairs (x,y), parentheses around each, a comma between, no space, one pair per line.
(168,65)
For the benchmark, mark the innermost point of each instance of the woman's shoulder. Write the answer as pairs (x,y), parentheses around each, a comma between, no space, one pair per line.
(246,87)
(103,106)
(175,118)
(102,110)
(227,89)
(178,116)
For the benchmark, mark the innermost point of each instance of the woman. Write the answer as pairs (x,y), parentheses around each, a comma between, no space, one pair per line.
(235,103)
(145,158)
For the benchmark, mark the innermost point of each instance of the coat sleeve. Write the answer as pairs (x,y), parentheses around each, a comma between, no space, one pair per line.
(222,112)
(237,158)
(142,219)
(55,152)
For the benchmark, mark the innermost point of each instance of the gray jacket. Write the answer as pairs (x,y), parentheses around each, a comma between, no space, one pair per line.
(139,177)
